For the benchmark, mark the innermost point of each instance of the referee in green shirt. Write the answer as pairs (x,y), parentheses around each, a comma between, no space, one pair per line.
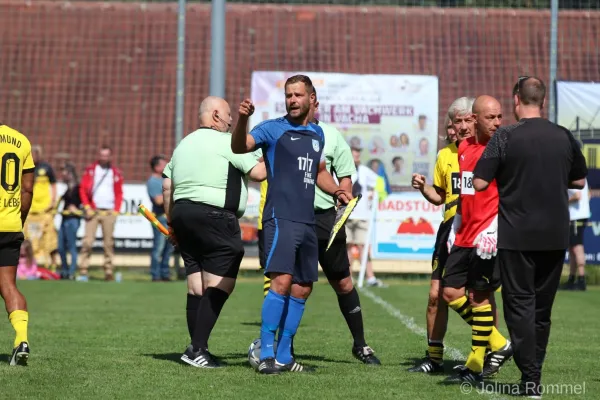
(335,262)
(206,192)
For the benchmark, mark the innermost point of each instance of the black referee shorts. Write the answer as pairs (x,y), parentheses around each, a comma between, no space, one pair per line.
(576,230)
(334,262)
(10,248)
(209,238)
(440,250)
(464,268)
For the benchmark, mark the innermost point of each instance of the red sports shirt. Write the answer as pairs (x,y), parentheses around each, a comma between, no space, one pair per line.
(478,209)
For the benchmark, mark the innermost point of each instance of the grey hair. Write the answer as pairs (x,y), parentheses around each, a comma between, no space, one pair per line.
(461,106)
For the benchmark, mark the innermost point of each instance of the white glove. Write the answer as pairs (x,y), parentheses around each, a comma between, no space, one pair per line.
(487,241)
(455,226)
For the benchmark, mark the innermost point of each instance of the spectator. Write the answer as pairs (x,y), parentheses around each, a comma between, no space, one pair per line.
(39,227)
(579,212)
(101,193)
(161,249)
(71,219)
(27,269)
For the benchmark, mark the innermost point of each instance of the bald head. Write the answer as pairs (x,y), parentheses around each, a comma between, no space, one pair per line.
(488,117)
(215,113)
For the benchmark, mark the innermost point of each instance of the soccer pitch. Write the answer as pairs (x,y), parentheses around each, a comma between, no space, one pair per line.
(123,341)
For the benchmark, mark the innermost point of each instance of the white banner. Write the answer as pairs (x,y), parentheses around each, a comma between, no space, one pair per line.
(393,117)
(134,232)
(578,106)
(405,227)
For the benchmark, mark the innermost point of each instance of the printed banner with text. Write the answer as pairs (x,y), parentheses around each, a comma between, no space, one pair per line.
(578,109)
(394,118)
(405,227)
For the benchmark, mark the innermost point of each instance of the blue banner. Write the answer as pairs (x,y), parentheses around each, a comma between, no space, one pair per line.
(591,238)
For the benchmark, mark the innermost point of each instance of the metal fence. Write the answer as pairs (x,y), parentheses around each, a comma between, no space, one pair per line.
(74,75)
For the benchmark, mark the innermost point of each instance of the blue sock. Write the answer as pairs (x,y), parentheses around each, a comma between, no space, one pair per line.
(272,310)
(290,327)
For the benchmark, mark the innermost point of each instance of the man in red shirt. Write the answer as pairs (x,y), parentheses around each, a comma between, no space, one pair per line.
(101,193)
(470,264)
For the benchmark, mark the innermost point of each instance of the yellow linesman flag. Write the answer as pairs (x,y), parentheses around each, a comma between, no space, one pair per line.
(341,217)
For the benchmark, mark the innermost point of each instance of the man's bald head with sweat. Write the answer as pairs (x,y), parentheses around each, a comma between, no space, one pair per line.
(488,117)
(215,113)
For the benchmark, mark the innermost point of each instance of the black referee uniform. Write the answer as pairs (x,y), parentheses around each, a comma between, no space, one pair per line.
(533,162)
(210,194)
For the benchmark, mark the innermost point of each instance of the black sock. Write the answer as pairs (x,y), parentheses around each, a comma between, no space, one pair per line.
(191,311)
(210,307)
(350,307)
(571,278)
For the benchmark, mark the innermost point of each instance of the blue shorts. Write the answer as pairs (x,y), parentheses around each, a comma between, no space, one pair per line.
(291,248)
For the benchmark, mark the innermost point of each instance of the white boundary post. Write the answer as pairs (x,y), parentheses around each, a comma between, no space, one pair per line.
(370,234)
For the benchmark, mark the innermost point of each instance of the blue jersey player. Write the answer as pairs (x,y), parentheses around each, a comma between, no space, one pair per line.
(292,148)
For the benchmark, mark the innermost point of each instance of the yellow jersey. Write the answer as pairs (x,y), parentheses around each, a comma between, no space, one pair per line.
(446,177)
(42,195)
(261,204)
(16,159)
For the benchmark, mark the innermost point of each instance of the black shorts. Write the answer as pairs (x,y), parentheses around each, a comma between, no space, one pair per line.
(209,238)
(334,262)
(10,248)
(464,268)
(576,230)
(440,250)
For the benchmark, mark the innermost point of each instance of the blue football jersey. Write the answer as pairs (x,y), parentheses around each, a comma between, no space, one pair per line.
(292,154)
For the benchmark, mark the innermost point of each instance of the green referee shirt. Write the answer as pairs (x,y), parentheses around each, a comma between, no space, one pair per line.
(204,169)
(338,159)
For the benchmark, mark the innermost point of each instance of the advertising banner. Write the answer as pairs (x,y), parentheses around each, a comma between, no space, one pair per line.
(578,109)
(405,227)
(394,118)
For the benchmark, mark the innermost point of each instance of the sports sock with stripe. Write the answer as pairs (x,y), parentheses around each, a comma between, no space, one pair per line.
(191,311)
(209,309)
(350,307)
(19,320)
(266,285)
(496,341)
(436,351)
(483,323)
(295,310)
(463,308)
(273,308)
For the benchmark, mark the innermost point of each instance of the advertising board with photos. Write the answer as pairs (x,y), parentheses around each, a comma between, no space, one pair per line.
(393,118)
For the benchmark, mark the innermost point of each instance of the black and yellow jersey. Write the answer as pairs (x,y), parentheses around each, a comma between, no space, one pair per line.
(15,159)
(261,205)
(447,178)
(42,195)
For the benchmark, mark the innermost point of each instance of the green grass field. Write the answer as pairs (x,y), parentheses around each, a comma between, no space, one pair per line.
(124,340)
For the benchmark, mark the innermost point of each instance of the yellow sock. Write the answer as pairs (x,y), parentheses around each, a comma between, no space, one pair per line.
(497,341)
(463,308)
(19,319)
(483,323)
(266,285)
(436,351)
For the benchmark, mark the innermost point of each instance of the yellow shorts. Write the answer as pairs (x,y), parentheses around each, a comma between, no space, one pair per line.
(39,229)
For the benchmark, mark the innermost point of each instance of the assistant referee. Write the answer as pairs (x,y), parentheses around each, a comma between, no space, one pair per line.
(534,162)
(208,193)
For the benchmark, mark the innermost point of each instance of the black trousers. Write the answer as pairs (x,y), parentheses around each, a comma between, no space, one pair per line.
(530,281)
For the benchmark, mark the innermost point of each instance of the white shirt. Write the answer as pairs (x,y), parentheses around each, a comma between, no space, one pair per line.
(580,209)
(104,192)
(367,180)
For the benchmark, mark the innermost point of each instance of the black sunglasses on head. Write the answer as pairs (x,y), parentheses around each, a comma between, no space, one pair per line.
(519,84)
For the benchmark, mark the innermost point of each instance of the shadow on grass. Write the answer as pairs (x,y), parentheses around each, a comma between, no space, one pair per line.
(4,358)
(251,323)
